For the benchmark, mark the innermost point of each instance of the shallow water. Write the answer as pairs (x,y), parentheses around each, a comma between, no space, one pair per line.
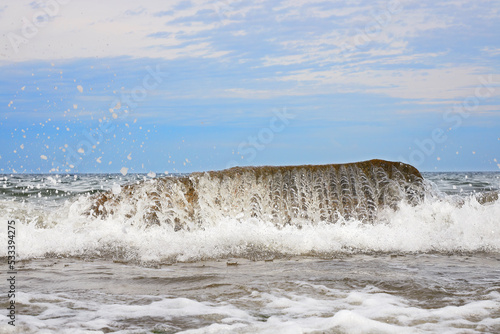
(385,293)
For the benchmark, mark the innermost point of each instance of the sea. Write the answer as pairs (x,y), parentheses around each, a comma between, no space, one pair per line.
(430,267)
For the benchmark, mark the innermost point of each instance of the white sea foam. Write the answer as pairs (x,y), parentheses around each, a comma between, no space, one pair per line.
(340,295)
(361,311)
(435,225)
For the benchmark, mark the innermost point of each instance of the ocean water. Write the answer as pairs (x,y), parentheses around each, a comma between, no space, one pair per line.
(433,267)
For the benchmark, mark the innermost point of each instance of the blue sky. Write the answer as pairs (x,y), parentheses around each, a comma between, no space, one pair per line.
(181,86)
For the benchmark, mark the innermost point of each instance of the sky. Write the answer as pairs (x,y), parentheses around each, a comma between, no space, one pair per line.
(181,86)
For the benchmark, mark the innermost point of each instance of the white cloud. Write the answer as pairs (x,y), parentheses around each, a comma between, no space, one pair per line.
(249,93)
(433,84)
(239,33)
(491,51)
(107,29)
(358,47)
(368,32)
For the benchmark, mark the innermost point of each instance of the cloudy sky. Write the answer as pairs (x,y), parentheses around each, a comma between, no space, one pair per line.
(181,86)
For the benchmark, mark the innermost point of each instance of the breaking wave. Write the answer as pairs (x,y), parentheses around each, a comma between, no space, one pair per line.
(282,212)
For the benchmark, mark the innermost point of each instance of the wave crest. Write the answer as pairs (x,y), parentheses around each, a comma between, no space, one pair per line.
(293,195)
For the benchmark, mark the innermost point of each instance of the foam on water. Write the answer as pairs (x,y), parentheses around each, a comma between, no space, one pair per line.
(432,226)
(219,224)
(375,290)
(365,310)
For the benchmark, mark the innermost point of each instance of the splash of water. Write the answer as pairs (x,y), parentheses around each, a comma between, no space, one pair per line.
(293,195)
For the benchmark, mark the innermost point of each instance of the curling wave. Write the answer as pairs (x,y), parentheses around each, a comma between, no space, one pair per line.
(292,195)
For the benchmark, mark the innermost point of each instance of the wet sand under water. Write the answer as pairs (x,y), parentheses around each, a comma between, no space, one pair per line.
(386,293)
